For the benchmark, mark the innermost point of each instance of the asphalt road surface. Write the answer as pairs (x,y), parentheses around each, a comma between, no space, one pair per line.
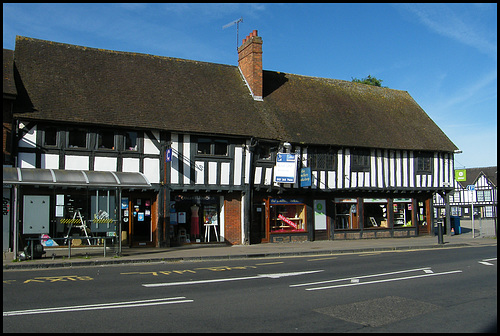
(435,290)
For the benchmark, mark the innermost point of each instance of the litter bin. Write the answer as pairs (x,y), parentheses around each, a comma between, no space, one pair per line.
(455,224)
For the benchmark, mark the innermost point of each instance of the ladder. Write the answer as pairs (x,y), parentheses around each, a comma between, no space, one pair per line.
(81,225)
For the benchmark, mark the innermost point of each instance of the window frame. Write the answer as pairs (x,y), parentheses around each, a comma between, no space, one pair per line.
(423,163)
(71,131)
(212,147)
(360,160)
(321,159)
(99,138)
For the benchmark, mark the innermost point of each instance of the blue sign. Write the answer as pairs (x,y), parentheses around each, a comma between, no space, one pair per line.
(305,177)
(168,155)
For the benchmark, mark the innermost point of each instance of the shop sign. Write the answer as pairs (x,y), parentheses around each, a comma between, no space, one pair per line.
(285,170)
(305,177)
(286,201)
(460,175)
(286,220)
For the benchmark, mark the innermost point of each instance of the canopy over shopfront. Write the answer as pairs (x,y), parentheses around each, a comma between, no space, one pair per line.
(74,178)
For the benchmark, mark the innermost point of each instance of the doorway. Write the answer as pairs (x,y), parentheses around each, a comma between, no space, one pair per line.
(259,232)
(140,214)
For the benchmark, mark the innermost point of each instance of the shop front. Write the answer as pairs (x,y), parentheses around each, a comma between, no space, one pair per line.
(196,218)
(83,208)
(357,218)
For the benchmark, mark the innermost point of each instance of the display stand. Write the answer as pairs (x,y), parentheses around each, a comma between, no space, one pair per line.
(207,231)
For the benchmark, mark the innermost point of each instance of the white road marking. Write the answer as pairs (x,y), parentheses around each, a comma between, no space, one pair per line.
(127,304)
(361,277)
(260,276)
(486,263)
(385,280)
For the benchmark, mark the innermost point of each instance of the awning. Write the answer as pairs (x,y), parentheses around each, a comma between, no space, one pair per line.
(74,178)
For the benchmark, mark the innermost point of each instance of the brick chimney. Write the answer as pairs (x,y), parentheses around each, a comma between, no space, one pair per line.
(250,63)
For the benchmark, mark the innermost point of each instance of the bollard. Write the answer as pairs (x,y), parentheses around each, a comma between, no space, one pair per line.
(440,232)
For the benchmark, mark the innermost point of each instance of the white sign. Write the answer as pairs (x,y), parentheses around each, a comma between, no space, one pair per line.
(285,170)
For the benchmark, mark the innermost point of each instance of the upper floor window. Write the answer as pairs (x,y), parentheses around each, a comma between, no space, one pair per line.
(106,140)
(131,141)
(77,138)
(360,160)
(424,163)
(208,146)
(266,151)
(50,136)
(320,159)
(484,195)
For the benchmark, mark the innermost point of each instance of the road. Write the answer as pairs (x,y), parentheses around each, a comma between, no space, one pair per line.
(435,290)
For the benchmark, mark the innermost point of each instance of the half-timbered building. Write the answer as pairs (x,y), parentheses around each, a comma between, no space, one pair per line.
(202,147)
(475,194)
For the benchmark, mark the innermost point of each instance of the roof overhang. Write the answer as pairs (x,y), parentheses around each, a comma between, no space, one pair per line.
(74,178)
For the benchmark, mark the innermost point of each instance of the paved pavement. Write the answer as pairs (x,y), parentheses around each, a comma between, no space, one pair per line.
(84,256)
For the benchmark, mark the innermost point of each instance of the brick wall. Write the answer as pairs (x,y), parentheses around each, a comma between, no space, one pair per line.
(250,62)
(232,218)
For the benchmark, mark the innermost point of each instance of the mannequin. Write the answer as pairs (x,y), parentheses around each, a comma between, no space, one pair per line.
(195,222)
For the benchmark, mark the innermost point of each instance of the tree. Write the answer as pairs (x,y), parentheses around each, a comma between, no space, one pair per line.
(368,80)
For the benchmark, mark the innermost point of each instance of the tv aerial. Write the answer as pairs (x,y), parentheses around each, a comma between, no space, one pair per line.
(237,23)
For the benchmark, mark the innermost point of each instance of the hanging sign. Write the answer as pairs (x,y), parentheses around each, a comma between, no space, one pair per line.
(168,155)
(460,175)
(305,177)
(285,170)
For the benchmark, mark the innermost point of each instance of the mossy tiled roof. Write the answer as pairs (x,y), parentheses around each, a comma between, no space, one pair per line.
(67,83)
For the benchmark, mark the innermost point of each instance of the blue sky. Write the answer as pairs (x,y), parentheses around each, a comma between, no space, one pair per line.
(444,55)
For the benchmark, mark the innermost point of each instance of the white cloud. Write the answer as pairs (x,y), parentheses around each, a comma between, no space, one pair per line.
(459,22)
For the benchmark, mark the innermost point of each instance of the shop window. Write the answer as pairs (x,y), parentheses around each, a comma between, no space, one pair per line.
(106,140)
(131,141)
(346,214)
(402,213)
(77,138)
(375,213)
(360,160)
(50,137)
(424,163)
(212,147)
(287,218)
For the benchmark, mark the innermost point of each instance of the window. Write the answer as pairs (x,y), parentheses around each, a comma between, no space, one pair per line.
(265,152)
(375,213)
(484,196)
(424,163)
(287,217)
(50,136)
(346,214)
(77,138)
(131,141)
(320,159)
(360,161)
(212,147)
(106,140)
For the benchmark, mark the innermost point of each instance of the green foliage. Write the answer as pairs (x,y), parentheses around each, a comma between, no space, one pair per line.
(369,80)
